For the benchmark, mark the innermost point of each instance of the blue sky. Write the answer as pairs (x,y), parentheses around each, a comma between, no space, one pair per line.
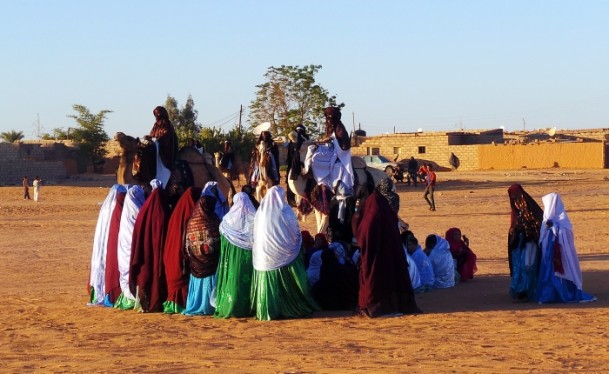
(403,65)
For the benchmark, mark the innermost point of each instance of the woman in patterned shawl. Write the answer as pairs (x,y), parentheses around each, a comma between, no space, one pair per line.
(235,268)
(387,189)
(523,239)
(279,285)
(202,244)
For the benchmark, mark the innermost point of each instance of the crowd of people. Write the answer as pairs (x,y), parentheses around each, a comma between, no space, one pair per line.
(251,259)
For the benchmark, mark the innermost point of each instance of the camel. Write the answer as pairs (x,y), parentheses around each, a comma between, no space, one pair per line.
(200,166)
(238,168)
(365,180)
(261,169)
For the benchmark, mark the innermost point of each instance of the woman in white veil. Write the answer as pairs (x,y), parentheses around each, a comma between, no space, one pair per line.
(560,276)
(279,284)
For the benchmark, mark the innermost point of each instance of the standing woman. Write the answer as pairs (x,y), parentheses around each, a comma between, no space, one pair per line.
(97,282)
(131,208)
(560,277)
(37,182)
(203,248)
(147,271)
(279,286)
(177,269)
(523,248)
(235,268)
(384,281)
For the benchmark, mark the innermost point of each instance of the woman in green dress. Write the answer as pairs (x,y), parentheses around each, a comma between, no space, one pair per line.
(279,285)
(235,267)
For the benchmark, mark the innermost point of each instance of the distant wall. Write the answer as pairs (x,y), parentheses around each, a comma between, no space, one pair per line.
(431,147)
(438,147)
(12,172)
(542,155)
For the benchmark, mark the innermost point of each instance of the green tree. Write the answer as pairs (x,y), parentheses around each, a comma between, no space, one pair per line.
(57,134)
(290,97)
(12,136)
(90,135)
(184,119)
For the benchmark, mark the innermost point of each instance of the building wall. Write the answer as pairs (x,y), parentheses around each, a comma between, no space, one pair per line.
(403,146)
(542,155)
(469,156)
(535,155)
(12,172)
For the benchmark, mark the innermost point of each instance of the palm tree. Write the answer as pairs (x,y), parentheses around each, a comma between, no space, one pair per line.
(12,136)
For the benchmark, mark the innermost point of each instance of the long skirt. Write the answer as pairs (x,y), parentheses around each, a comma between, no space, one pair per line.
(235,271)
(553,289)
(282,293)
(525,264)
(201,296)
(124,302)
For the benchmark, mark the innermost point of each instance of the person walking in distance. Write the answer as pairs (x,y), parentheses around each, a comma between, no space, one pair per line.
(430,186)
(26,188)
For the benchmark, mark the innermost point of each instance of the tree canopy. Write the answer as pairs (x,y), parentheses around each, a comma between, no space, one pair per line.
(184,119)
(291,97)
(187,127)
(12,136)
(90,135)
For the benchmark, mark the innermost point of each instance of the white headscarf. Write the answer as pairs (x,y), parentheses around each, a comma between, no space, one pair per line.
(237,226)
(131,207)
(442,263)
(100,244)
(554,210)
(277,236)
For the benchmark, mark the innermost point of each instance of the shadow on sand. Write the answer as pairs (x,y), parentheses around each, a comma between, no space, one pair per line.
(487,293)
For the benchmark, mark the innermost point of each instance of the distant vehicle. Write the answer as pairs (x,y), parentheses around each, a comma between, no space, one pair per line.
(392,168)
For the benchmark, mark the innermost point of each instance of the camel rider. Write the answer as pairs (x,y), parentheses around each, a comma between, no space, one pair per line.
(166,148)
(294,163)
(265,146)
(227,155)
(164,134)
(331,161)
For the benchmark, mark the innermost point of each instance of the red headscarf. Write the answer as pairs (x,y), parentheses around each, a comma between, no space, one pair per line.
(466,259)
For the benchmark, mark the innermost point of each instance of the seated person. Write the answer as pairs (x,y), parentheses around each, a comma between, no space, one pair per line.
(333,278)
(465,257)
(441,260)
(421,260)
(319,243)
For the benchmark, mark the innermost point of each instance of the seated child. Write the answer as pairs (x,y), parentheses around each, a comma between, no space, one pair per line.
(421,261)
(441,261)
(465,257)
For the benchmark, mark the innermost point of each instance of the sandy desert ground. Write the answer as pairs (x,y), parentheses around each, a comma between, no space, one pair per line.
(45,251)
